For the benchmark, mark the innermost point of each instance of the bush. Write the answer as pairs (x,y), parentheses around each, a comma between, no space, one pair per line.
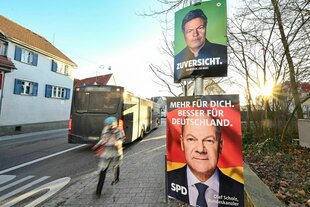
(247,138)
(258,150)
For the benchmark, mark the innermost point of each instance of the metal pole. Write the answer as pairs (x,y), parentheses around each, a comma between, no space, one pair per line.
(96,78)
(185,88)
(199,86)
(166,180)
(198,80)
(194,2)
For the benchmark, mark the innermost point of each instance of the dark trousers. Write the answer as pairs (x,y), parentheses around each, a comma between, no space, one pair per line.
(101,181)
(102,178)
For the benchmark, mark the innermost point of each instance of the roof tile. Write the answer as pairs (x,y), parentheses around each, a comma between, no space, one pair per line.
(15,31)
(100,80)
(6,63)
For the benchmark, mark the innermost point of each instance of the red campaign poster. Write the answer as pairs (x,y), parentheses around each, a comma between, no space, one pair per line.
(204,150)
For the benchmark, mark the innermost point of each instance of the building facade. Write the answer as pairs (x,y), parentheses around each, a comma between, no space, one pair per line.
(36,86)
(107,79)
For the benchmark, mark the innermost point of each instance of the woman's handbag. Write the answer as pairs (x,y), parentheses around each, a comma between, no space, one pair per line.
(99,150)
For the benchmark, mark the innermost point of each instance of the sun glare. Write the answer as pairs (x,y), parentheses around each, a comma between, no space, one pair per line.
(267,90)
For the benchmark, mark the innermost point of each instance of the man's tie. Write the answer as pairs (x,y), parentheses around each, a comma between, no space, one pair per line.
(201,200)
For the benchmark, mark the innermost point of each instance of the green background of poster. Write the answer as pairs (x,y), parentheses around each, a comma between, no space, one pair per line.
(216,26)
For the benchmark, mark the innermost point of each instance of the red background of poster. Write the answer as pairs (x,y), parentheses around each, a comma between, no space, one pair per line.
(232,148)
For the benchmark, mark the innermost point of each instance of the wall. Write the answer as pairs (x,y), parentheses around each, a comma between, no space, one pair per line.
(303,131)
(23,109)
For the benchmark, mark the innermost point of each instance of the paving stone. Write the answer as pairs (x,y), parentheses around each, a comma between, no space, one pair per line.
(142,180)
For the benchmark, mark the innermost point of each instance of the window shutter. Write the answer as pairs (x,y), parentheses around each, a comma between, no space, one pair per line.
(48,91)
(35,89)
(54,66)
(18,53)
(67,93)
(35,59)
(17,86)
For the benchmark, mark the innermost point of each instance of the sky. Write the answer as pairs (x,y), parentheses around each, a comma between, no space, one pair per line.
(99,33)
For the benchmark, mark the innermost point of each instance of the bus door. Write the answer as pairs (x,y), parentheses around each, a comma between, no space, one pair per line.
(149,118)
(131,117)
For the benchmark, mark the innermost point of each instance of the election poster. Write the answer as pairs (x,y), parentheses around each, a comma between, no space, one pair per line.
(201,41)
(204,150)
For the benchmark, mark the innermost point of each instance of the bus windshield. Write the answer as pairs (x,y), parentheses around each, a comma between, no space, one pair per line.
(97,101)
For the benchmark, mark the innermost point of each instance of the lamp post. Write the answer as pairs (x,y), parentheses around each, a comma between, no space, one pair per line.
(194,2)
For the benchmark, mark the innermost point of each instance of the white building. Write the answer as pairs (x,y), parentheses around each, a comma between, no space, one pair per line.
(35,82)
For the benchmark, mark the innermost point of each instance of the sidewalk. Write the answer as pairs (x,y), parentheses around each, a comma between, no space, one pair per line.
(142,180)
(34,134)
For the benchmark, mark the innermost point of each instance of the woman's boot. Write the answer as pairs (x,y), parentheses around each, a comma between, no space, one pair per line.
(101,181)
(116,175)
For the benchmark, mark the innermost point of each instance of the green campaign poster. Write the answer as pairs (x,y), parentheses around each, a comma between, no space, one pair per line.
(201,41)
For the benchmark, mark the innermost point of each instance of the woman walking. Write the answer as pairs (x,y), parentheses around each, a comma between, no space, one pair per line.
(110,151)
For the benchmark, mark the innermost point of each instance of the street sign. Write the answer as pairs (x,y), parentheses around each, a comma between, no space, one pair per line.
(305,87)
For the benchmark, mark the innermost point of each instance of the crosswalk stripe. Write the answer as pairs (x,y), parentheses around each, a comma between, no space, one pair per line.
(16,182)
(18,190)
(6,178)
(53,187)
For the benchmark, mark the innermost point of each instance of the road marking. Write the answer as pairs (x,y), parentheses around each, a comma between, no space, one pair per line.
(15,183)
(40,159)
(6,178)
(52,187)
(18,190)
(154,138)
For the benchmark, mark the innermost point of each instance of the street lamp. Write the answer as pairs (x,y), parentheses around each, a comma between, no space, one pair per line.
(101,67)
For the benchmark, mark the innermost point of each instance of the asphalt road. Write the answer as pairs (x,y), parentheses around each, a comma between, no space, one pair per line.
(24,150)
(29,163)
(31,166)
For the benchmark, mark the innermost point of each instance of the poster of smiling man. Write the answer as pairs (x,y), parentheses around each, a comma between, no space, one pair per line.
(200,41)
(204,151)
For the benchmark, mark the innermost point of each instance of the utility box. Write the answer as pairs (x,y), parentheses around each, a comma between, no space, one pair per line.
(303,131)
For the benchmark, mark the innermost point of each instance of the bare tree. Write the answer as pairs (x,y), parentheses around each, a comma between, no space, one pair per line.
(164,72)
(166,17)
(268,42)
(266,47)
(293,32)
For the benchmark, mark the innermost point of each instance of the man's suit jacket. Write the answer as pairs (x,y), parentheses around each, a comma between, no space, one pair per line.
(228,186)
(209,50)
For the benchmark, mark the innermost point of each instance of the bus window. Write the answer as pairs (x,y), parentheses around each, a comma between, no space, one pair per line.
(104,102)
(81,101)
(100,102)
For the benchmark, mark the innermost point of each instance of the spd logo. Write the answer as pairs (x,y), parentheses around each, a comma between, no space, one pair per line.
(178,188)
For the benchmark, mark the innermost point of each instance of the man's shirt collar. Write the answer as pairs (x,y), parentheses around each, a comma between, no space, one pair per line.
(213,182)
